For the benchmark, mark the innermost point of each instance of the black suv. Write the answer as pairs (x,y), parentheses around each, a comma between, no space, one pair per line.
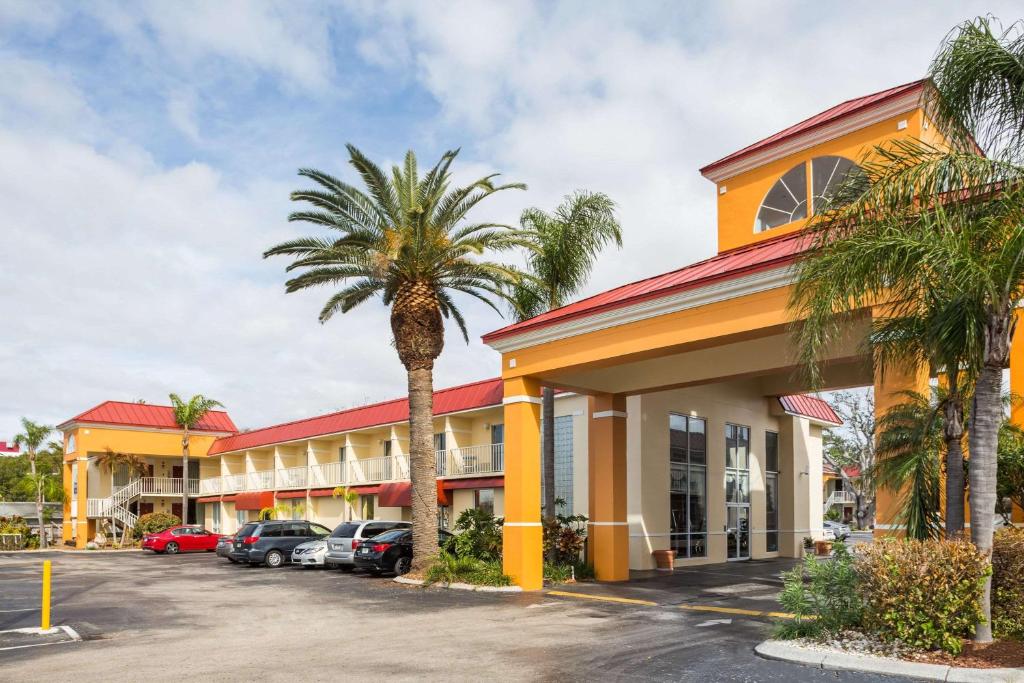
(272,541)
(391,551)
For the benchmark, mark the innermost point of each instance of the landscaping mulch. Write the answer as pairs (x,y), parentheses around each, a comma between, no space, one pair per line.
(995,655)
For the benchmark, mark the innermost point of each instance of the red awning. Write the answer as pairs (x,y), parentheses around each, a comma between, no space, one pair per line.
(254,501)
(476,483)
(321,493)
(228,499)
(290,494)
(208,499)
(396,495)
(366,490)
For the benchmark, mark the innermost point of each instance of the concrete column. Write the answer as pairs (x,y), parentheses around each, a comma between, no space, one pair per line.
(608,546)
(800,476)
(523,535)
(82,532)
(888,388)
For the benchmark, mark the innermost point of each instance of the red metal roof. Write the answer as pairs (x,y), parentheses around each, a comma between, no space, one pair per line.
(828,116)
(726,265)
(810,406)
(464,397)
(8,447)
(146,415)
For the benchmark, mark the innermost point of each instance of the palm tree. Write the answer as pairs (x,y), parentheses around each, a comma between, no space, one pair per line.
(33,436)
(927,222)
(910,439)
(563,248)
(187,416)
(349,498)
(405,239)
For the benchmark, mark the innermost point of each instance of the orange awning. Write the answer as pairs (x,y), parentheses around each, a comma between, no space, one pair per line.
(254,501)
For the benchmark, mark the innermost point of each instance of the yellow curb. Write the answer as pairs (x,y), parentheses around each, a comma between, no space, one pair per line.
(605,598)
(736,610)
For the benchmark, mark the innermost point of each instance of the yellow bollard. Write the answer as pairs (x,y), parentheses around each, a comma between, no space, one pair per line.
(46,596)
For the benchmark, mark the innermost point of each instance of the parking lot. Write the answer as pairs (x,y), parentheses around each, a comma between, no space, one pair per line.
(147,617)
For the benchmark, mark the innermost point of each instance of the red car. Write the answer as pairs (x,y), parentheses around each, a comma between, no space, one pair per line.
(181,539)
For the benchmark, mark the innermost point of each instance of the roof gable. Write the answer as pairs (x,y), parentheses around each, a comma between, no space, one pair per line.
(122,413)
(811,407)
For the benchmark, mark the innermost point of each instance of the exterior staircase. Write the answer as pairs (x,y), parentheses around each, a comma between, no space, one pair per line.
(116,506)
(840,498)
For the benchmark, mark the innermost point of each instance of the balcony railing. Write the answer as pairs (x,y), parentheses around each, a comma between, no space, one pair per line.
(840,498)
(457,462)
(166,486)
(472,460)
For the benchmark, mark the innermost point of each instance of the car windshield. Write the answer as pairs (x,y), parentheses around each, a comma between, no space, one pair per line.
(392,536)
(246,530)
(346,530)
(318,531)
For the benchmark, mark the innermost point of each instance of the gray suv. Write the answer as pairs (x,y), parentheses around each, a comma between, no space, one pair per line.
(347,536)
(271,542)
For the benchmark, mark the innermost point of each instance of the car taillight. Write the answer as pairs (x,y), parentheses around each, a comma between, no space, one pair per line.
(355,544)
(250,539)
(381,547)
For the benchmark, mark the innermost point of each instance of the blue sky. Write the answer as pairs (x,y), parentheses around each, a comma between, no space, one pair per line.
(147,150)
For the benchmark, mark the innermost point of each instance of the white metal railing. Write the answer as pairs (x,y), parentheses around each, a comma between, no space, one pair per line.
(292,478)
(98,507)
(260,481)
(166,486)
(471,460)
(231,483)
(455,462)
(840,498)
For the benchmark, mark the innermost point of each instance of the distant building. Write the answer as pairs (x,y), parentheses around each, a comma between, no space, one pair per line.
(8,450)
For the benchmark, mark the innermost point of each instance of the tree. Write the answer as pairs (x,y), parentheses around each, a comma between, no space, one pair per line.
(563,247)
(404,239)
(853,446)
(910,437)
(33,436)
(942,227)
(187,415)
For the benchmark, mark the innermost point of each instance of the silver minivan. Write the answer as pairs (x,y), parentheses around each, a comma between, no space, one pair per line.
(347,536)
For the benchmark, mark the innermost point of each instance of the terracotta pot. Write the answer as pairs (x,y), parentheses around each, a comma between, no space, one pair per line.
(823,547)
(665,559)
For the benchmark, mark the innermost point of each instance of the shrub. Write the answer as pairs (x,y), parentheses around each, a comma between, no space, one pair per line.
(1008,583)
(479,535)
(564,536)
(925,594)
(449,568)
(822,595)
(155,522)
(564,573)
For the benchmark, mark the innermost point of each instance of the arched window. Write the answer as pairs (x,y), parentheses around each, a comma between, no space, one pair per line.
(787,199)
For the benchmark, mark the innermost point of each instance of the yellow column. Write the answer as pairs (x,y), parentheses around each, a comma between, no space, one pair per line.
(1017,387)
(523,535)
(82,532)
(887,394)
(68,529)
(608,546)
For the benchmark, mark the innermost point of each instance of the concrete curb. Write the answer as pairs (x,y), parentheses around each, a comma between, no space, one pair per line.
(837,660)
(459,586)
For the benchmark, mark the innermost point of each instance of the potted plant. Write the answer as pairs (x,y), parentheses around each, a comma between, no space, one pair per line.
(664,560)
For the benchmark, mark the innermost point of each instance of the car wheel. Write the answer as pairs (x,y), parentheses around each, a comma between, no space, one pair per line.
(172,548)
(274,559)
(402,565)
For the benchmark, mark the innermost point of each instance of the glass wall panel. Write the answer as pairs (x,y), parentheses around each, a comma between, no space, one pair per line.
(771,449)
(687,486)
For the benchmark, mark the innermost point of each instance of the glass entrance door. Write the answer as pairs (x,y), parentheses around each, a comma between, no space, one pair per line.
(738,531)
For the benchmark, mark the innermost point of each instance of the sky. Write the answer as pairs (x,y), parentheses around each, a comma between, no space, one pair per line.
(147,151)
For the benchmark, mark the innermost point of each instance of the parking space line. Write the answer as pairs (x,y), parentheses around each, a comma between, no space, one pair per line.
(736,610)
(604,598)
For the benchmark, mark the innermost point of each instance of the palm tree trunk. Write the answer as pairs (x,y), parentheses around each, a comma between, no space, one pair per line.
(184,477)
(954,432)
(39,499)
(422,467)
(983,439)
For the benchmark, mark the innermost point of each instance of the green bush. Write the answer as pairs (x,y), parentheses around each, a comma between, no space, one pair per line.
(564,573)
(1008,583)
(450,568)
(822,595)
(155,522)
(479,535)
(925,594)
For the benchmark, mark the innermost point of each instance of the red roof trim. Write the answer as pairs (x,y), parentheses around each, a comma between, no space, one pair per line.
(830,115)
(726,265)
(122,413)
(281,495)
(485,393)
(474,483)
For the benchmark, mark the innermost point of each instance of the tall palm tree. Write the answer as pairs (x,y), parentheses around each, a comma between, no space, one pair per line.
(404,238)
(910,439)
(187,415)
(563,247)
(33,436)
(930,221)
